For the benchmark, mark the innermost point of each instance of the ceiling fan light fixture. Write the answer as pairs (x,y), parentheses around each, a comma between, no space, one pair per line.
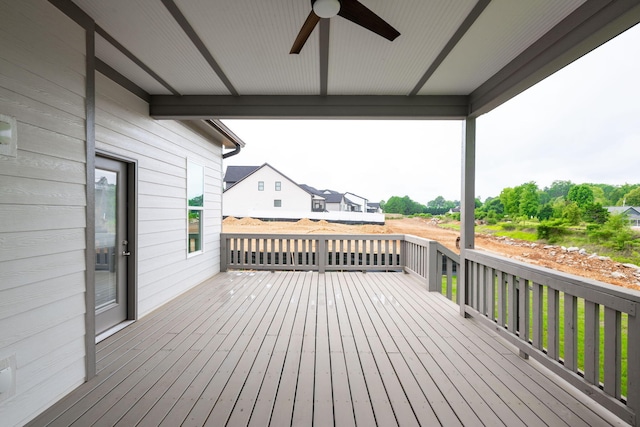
(326,8)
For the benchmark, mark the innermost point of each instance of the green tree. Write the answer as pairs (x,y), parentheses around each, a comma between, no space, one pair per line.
(598,195)
(494,205)
(528,203)
(572,214)
(395,204)
(595,213)
(632,198)
(581,194)
(438,202)
(403,205)
(617,196)
(559,189)
(545,212)
(510,199)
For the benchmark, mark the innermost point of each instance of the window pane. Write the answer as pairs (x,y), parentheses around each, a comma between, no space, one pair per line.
(195,231)
(195,184)
(278,185)
(277,203)
(260,185)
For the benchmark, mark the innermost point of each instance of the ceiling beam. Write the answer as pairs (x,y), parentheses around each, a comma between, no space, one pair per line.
(324,56)
(589,26)
(453,41)
(198,107)
(199,44)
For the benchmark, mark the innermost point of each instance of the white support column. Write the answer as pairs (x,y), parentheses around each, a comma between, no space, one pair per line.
(467,205)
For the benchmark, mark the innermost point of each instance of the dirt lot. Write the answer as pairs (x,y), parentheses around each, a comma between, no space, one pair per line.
(570,261)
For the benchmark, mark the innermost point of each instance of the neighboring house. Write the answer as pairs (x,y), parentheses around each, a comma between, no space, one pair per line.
(358,204)
(335,201)
(237,173)
(374,207)
(265,192)
(633,213)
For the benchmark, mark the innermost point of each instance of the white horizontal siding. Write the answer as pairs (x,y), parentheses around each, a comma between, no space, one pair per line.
(42,206)
(161,149)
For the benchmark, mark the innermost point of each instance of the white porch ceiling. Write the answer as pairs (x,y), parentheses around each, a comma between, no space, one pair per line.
(472,54)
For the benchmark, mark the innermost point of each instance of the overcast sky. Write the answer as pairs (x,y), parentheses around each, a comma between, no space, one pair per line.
(581,124)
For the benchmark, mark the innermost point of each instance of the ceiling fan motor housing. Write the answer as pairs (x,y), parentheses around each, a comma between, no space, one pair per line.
(325,8)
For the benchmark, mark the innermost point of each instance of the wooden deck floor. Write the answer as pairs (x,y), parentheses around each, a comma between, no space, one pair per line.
(307,349)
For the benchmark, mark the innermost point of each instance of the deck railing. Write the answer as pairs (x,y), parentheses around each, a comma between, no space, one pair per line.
(312,252)
(587,332)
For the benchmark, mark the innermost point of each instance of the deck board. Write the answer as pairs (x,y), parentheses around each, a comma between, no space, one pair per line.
(301,348)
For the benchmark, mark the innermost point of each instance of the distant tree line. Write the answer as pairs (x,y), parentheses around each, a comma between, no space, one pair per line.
(406,206)
(573,203)
(561,200)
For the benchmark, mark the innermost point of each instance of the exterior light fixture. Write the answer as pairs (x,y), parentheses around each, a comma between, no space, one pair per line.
(326,8)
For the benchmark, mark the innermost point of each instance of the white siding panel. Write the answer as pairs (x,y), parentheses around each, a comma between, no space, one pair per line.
(25,271)
(161,149)
(39,166)
(30,244)
(42,206)
(27,191)
(35,139)
(29,297)
(21,218)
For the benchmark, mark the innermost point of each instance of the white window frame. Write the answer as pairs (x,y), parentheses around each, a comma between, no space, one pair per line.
(200,209)
(260,185)
(278,185)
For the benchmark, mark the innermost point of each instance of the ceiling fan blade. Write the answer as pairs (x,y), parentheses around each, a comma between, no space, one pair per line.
(305,32)
(358,13)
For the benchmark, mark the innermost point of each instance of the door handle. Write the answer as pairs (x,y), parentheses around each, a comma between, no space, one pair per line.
(125,253)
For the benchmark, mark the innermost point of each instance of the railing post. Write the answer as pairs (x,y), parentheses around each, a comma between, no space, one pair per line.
(633,363)
(403,253)
(467,208)
(432,267)
(223,252)
(321,254)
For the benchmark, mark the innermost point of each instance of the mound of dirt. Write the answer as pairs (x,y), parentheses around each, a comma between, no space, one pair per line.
(250,221)
(305,222)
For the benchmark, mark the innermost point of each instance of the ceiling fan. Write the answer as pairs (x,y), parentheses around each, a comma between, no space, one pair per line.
(352,10)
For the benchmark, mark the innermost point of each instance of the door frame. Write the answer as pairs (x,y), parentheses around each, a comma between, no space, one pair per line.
(132,236)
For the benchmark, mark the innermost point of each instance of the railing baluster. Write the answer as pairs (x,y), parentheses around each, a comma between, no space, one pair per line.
(512,304)
(481,287)
(570,332)
(592,342)
(449,278)
(490,287)
(612,352)
(502,299)
(523,309)
(537,315)
(633,358)
(553,324)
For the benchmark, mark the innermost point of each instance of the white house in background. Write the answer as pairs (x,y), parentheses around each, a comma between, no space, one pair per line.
(264,192)
(374,207)
(334,201)
(358,203)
